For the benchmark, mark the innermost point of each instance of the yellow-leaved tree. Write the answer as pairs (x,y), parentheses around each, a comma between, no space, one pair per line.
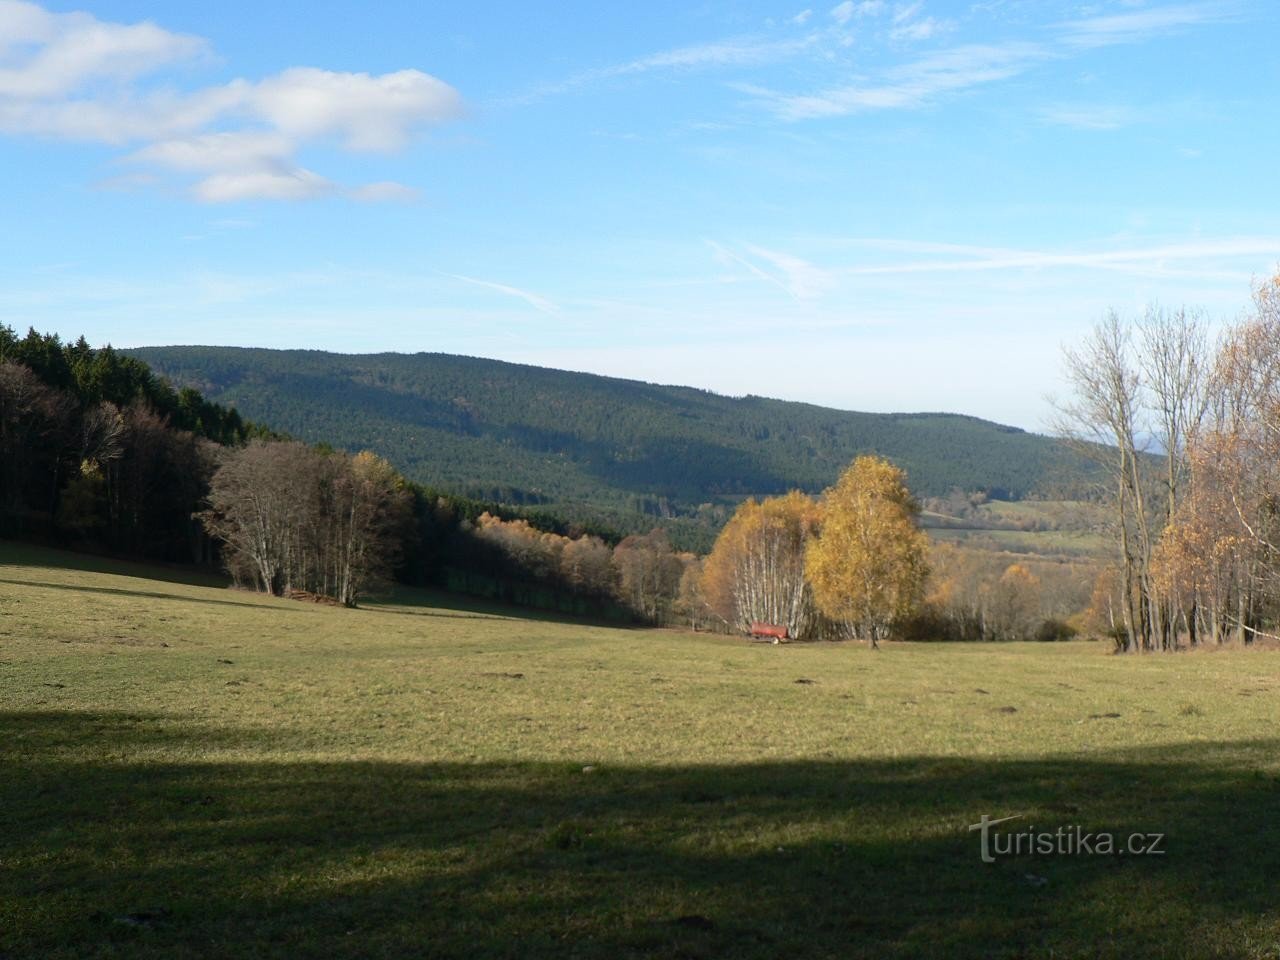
(867,567)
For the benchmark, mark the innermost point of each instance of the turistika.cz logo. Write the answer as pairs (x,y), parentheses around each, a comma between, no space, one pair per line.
(1066,841)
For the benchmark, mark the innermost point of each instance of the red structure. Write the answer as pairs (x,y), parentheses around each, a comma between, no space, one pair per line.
(769,630)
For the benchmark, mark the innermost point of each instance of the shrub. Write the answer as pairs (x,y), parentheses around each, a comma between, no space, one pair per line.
(1053,630)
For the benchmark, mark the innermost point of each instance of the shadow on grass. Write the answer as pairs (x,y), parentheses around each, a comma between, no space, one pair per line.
(401,600)
(15,553)
(136,854)
(428,602)
(149,594)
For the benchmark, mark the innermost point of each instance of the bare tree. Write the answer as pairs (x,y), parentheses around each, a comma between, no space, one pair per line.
(295,518)
(648,574)
(1175,364)
(1100,421)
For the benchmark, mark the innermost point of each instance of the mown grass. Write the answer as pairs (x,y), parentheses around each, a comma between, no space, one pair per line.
(190,771)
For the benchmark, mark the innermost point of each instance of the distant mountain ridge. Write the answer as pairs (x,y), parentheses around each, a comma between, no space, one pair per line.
(531,435)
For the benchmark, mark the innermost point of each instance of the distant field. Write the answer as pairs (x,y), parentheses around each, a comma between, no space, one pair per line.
(191,771)
(1062,529)
(1047,543)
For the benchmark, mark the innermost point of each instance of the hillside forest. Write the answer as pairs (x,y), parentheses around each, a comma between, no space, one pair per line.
(596,449)
(1170,541)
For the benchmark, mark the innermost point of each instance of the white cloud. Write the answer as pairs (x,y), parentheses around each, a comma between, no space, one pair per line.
(906,12)
(801,18)
(46,54)
(365,112)
(294,184)
(239,151)
(75,77)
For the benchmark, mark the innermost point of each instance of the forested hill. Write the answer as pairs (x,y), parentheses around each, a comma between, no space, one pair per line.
(528,435)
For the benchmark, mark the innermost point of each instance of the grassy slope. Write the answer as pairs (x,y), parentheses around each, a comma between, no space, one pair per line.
(378,783)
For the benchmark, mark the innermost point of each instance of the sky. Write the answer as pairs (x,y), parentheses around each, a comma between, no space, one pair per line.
(872,205)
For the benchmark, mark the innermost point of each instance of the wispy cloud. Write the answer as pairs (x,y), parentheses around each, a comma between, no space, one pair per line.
(960,68)
(842,13)
(72,76)
(730,52)
(534,300)
(1159,259)
(909,85)
(798,278)
(1140,25)
(801,279)
(926,28)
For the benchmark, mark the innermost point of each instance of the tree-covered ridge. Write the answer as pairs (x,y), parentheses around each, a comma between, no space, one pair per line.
(529,435)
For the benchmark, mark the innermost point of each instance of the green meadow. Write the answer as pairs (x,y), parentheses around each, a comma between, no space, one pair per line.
(192,771)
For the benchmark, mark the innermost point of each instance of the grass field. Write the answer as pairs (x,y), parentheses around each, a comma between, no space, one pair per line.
(190,771)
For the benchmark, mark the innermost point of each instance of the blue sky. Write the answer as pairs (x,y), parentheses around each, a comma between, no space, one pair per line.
(870,205)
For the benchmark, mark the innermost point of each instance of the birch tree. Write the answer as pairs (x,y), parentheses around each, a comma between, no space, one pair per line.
(756,572)
(867,565)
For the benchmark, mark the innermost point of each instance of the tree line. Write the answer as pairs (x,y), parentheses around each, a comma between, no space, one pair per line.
(1186,426)
(97,450)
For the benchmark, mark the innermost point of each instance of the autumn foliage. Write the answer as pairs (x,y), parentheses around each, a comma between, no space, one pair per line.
(756,573)
(1196,520)
(851,564)
(867,565)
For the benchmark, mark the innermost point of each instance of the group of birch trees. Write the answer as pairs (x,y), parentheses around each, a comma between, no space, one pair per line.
(849,564)
(1186,429)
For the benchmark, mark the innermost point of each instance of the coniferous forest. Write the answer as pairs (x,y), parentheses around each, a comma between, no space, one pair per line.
(590,446)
